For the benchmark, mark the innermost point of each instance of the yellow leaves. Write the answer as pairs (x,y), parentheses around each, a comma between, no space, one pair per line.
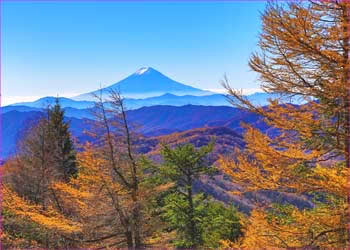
(246,174)
(279,150)
(266,163)
(238,193)
(317,227)
(88,162)
(332,180)
(48,218)
(58,223)
(72,197)
(263,166)
(73,192)
(301,49)
(283,163)
(302,54)
(289,117)
(256,232)
(162,240)
(163,187)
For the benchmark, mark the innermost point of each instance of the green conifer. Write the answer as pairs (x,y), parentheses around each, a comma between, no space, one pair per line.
(62,144)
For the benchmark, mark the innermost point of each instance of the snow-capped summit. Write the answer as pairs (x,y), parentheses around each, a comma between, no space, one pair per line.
(147,82)
(143,70)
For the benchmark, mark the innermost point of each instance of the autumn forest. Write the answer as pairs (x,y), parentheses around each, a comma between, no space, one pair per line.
(106,192)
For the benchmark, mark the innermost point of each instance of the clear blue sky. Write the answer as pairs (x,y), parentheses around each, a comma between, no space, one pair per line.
(66,48)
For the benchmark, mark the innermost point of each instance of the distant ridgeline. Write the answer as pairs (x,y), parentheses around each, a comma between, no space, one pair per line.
(156,102)
(148,87)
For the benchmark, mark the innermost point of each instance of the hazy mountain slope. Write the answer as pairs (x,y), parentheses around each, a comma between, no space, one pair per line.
(13,125)
(146,82)
(69,112)
(50,100)
(132,103)
(174,100)
(155,120)
(19,108)
(159,120)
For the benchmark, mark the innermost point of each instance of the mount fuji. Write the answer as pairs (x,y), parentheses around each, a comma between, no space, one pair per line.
(144,83)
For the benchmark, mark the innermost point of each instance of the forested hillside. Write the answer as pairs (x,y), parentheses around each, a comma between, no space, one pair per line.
(251,176)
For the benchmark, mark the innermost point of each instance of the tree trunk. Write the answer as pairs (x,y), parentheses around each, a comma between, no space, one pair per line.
(128,236)
(191,213)
(137,236)
(136,220)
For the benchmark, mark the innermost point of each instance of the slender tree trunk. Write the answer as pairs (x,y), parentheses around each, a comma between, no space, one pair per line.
(191,212)
(129,241)
(136,221)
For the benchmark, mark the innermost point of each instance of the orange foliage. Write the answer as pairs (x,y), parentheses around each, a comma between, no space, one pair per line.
(304,54)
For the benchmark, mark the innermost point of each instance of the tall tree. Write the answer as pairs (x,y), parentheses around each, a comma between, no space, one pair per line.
(183,166)
(45,154)
(304,54)
(115,143)
(64,153)
(34,164)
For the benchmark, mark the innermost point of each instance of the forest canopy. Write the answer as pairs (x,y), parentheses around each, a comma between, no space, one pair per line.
(106,192)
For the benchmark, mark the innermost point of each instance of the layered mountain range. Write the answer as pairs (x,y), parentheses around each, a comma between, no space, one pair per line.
(147,87)
(161,105)
(164,111)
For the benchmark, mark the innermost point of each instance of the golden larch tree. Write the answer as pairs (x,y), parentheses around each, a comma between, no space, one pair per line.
(304,56)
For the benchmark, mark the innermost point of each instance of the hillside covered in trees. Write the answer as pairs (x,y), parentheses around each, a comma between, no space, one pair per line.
(279,180)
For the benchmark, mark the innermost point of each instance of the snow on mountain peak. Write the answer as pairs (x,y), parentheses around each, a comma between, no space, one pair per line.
(142,70)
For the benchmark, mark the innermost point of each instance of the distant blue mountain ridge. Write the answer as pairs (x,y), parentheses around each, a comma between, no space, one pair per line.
(44,102)
(151,121)
(144,88)
(130,103)
(156,102)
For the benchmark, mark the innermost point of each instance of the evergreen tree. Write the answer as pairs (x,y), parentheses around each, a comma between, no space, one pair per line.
(197,220)
(214,222)
(63,149)
(183,165)
(45,154)
(220,223)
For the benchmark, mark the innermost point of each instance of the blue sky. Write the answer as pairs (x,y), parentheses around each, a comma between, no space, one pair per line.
(68,48)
